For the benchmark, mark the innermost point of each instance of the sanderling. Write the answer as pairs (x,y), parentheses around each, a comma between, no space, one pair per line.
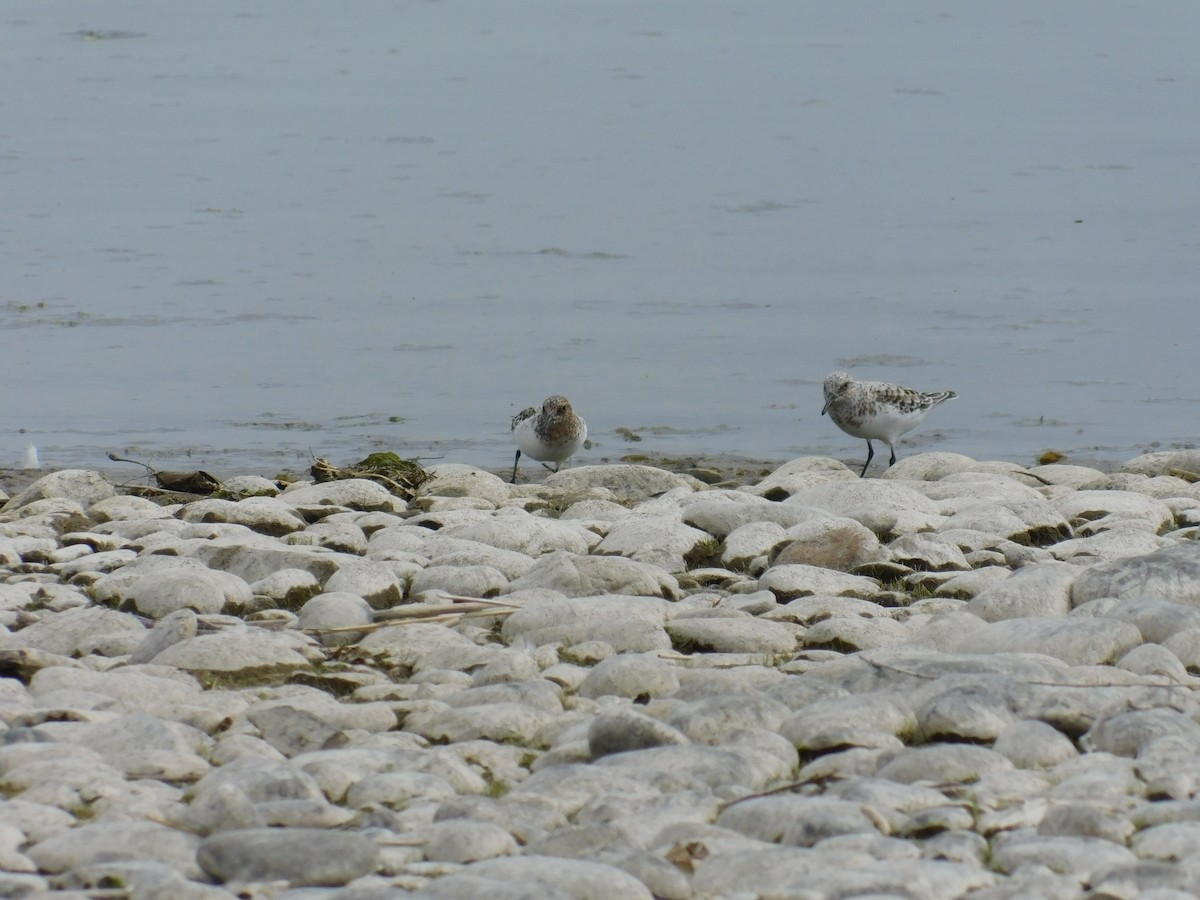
(552,435)
(874,410)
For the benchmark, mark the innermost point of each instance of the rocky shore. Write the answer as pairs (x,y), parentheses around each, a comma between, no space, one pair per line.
(961,678)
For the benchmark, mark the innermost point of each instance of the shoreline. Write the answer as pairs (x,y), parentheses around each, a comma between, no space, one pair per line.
(724,469)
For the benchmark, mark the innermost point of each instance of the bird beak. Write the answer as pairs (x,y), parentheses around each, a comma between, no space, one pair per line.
(825,408)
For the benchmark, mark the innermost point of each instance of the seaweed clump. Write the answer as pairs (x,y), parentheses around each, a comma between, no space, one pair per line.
(400,476)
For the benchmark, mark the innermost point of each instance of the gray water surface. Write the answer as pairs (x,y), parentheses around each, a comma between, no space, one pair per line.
(242,234)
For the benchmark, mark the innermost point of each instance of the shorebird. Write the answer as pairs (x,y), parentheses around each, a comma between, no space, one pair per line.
(875,410)
(552,435)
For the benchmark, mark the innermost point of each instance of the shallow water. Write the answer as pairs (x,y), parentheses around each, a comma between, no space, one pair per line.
(244,235)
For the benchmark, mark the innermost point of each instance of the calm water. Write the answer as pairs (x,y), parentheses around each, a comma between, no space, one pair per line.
(242,234)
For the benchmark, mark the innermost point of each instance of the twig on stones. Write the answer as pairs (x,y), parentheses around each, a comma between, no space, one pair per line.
(455,604)
(427,615)
(782,789)
(1170,684)
(1044,481)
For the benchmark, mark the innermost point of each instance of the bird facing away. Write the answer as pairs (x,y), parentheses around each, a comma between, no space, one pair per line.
(552,435)
(875,410)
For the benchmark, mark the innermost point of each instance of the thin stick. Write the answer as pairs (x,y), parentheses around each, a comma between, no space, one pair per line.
(434,615)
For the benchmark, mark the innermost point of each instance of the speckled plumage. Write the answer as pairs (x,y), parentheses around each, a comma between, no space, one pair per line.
(554,434)
(875,410)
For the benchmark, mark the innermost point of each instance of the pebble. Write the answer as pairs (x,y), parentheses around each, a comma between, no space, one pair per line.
(298,856)
(208,699)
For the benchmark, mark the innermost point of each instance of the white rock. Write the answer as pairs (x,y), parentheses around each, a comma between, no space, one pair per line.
(122,507)
(464,581)
(796,821)
(253,557)
(661,542)
(1171,842)
(144,746)
(1157,620)
(584,576)
(1164,462)
(83,486)
(815,608)
(170,629)
(1154,659)
(75,632)
(1119,541)
(863,721)
(1074,641)
(968,585)
(594,510)
(236,651)
(887,508)
(265,515)
(158,594)
(857,633)
(1078,857)
(630,675)
(455,480)
(1172,574)
(351,493)
(375,581)
(945,466)
(830,542)
(116,839)
(1092,510)
(628,624)
(719,719)
(1125,734)
(943,764)
(344,537)
(397,790)
(787,582)
(550,877)
(514,529)
(1031,744)
(693,767)
(721,512)
(743,634)
(335,610)
(94,563)
(1037,590)
(413,646)
(927,553)
(626,482)
(624,729)
(457,841)
(298,856)
(1024,520)
(457,552)
(508,722)
(241,486)
(798,475)
(287,587)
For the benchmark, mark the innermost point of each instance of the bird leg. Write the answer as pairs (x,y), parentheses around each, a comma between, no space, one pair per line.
(515,462)
(870,454)
(892,461)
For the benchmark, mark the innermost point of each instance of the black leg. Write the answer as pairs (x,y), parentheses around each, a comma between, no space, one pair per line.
(892,461)
(870,453)
(515,461)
